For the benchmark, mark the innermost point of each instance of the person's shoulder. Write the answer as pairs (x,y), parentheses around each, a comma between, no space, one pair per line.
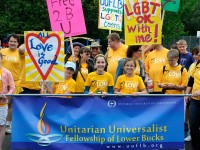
(137,77)
(121,60)
(165,50)
(73,81)
(122,76)
(6,70)
(92,73)
(108,74)
(3,50)
(123,46)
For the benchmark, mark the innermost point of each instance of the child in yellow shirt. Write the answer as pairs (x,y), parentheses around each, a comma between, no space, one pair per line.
(172,78)
(99,81)
(129,83)
(66,87)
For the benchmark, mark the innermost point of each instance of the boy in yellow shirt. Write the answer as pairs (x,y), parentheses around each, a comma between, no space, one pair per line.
(173,78)
(66,87)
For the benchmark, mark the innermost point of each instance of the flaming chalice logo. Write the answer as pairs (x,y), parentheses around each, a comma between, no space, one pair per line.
(44,138)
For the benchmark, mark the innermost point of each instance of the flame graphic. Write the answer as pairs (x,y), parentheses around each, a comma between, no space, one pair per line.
(43,126)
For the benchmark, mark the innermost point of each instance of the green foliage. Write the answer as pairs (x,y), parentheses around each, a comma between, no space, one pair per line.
(191,16)
(172,28)
(19,16)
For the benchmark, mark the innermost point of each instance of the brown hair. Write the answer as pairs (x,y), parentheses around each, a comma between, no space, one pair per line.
(114,37)
(99,55)
(173,53)
(196,50)
(129,59)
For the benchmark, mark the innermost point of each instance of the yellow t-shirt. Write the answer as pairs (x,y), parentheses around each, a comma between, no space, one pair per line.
(113,57)
(27,84)
(99,83)
(173,75)
(192,66)
(62,87)
(137,68)
(195,73)
(80,83)
(11,61)
(155,60)
(70,58)
(129,85)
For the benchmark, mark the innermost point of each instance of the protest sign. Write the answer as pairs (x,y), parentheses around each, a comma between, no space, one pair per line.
(110,14)
(141,123)
(44,56)
(67,16)
(142,22)
(171,5)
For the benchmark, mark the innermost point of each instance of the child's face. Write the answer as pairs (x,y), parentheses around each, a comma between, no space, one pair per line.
(172,61)
(100,63)
(129,67)
(182,48)
(69,72)
(196,57)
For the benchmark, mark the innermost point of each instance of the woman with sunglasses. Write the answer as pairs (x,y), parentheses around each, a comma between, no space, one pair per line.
(134,52)
(84,67)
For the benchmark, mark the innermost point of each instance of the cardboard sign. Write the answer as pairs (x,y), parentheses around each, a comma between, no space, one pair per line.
(110,14)
(142,22)
(67,16)
(44,56)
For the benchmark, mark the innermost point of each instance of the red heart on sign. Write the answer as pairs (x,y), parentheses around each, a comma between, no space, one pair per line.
(40,49)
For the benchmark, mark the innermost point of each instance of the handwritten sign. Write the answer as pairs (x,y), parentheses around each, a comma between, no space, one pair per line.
(142,22)
(110,14)
(44,56)
(66,16)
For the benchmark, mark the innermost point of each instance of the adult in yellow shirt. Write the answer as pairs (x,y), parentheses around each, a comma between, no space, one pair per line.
(194,109)
(116,51)
(84,67)
(155,60)
(11,61)
(28,87)
(173,78)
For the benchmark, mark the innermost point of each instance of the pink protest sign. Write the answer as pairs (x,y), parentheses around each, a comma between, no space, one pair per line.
(66,16)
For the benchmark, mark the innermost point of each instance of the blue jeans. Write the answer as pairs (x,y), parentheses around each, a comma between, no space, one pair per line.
(194,120)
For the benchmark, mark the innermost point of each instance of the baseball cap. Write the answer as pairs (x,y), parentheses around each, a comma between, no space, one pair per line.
(181,42)
(95,44)
(70,64)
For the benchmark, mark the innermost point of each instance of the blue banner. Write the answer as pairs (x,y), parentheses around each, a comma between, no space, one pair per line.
(139,123)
